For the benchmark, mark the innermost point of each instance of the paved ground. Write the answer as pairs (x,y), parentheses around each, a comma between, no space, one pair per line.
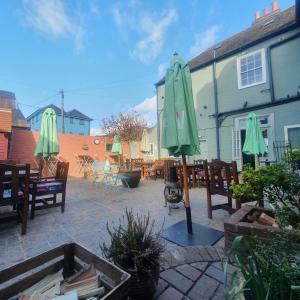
(88,209)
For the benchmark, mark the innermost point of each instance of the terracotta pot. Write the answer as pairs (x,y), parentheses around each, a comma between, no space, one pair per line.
(134,177)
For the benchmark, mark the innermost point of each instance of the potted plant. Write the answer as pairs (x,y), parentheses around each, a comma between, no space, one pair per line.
(271,271)
(136,248)
(129,127)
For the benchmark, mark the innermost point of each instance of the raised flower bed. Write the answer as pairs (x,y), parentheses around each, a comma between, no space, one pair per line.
(241,223)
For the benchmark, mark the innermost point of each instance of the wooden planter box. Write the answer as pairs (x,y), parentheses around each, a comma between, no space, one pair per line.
(70,257)
(238,225)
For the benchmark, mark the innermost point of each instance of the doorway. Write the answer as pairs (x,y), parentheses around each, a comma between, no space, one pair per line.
(247,159)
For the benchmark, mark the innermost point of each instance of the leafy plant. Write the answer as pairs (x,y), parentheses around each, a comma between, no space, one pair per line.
(134,245)
(128,126)
(275,184)
(252,185)
(292,158)
(269,272)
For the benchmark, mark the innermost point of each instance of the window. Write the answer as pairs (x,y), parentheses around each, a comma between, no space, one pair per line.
(292,134)
(108,147)
(71,120)
(81,122)
(81,133)
(251,69)
(151,152)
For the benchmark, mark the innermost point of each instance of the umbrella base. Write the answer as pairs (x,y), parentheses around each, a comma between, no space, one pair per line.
(202,235)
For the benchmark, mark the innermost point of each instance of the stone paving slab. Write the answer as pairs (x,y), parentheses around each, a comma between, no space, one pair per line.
(88,209)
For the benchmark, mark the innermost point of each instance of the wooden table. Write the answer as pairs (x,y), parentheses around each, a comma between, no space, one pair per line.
(145,166)
(191,170)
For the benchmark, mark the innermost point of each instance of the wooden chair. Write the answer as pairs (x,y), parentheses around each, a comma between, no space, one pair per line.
(156,170)
(14,192)
(219,176)
(44,190)
(137,163)
(200,173)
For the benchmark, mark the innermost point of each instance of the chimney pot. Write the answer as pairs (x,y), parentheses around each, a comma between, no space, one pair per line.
(275,6)
(266,11)
(257,15)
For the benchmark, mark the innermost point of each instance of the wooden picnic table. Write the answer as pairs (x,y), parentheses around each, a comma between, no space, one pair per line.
(145,166)
(33,173)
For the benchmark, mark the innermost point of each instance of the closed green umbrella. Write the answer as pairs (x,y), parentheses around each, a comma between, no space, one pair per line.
(48,144)
(117,147)
(179,127)
(145,141)
(254,143)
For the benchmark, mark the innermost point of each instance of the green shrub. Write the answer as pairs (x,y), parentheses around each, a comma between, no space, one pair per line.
(277,185)
(134,245)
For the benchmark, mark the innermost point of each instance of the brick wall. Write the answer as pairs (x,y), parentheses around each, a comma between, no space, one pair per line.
(3,146)
(23,144)
(5,120)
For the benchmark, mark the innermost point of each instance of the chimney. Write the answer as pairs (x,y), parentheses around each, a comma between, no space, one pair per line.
(275,6)
(266,11)
(257,15)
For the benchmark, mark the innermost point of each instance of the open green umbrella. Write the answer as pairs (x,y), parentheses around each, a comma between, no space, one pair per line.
(254,143)
(179,127)
(48,144)
(117,147)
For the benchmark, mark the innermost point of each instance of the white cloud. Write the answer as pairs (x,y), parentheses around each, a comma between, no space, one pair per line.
(148,47)
(162,68)
(50,17)
(147,109)
(96,131)
(204,40)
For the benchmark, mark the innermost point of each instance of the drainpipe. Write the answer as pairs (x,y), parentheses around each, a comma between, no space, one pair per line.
(158,127)
(298,11)
(216,102)
(269,61)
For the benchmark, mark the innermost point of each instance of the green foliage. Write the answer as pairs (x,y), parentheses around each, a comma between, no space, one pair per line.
(269,272)
(134,245)
(292,158)
(275,184)
(252,187)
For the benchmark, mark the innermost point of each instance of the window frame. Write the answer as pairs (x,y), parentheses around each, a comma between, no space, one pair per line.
(263,65)
(81,122)
(71,120)
(286,130)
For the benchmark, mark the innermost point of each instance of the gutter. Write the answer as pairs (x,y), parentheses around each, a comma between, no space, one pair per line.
(282,101)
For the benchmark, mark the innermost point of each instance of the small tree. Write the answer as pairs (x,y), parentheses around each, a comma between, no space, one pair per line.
(128,126)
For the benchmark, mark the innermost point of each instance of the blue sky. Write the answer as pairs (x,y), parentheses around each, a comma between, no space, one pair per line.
(107,55)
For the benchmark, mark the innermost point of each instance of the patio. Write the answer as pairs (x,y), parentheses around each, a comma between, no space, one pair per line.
(185,271)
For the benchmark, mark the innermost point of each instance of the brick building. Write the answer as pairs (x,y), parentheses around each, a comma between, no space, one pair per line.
(10,118)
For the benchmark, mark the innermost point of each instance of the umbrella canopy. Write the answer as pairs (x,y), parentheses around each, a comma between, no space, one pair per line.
(179,127)
(145,141)
(48,140)
(254,142)
(117,147)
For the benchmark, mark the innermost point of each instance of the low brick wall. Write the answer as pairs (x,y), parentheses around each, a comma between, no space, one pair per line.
(236,225)
(23,144)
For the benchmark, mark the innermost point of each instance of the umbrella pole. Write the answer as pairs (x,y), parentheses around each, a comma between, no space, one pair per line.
(187,197)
